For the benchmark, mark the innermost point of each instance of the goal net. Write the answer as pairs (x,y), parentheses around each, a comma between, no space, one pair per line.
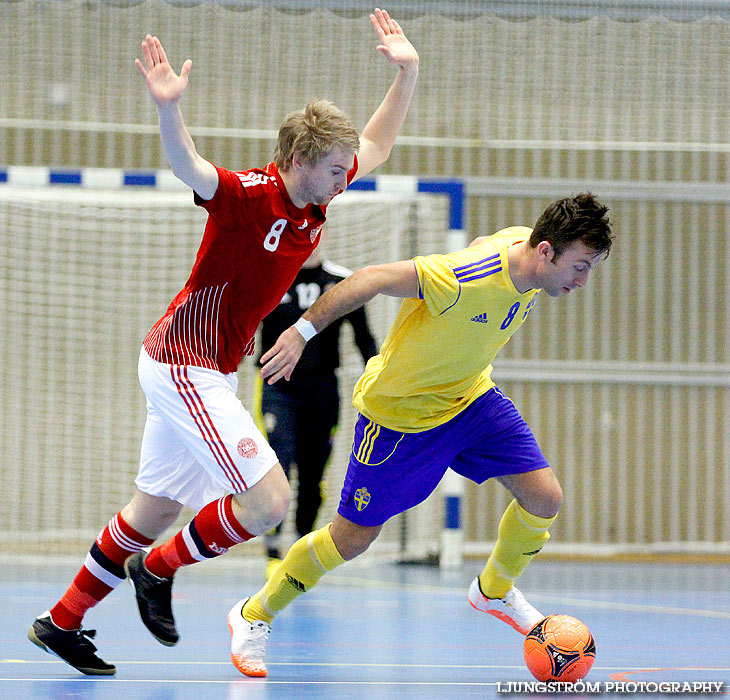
(83,276)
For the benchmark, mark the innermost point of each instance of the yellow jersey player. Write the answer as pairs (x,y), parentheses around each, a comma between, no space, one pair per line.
(427,403)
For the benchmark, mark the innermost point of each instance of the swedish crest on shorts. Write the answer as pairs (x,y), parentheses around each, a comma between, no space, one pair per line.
(362,498)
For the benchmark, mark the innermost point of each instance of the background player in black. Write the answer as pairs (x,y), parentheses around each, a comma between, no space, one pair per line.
(300,416)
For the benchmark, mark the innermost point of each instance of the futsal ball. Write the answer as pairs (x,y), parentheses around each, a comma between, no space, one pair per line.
(559,648)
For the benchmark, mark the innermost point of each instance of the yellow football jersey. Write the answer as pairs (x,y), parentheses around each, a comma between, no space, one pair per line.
(437,357)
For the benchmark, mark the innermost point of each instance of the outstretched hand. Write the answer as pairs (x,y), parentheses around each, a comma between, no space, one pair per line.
(394,44)
(164,85)
(282,357)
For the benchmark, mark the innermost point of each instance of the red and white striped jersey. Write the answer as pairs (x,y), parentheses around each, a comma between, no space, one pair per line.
(254,244)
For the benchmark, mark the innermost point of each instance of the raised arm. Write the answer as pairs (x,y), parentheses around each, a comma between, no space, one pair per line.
(166,88)
(398,279)
(379,134)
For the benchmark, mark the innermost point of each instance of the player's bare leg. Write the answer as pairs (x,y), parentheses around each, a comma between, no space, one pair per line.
(265,504)
(151,515)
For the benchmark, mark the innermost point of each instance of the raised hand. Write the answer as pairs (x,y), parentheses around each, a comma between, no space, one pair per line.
(164,85)
(394,44)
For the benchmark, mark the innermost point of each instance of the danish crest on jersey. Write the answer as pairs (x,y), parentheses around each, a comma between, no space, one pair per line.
(314,233)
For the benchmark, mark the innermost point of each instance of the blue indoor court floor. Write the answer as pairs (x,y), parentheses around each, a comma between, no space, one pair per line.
(376,630)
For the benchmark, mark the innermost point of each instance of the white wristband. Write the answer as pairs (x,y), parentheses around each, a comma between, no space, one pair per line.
(306,329)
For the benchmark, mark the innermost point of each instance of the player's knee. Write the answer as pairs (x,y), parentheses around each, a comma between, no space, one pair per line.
(351,548)
(350,539)
(150,515)
(543,500)
(271,509)
(262,508)
(278,506)
(551,499)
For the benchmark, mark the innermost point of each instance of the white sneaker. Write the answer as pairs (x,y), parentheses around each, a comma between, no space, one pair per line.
(248,642)
(512,609)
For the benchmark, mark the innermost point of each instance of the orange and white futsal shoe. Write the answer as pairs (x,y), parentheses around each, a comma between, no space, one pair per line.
(512,609)
(248,642)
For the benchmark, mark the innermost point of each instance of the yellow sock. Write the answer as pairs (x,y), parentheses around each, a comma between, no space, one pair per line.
(521,536)
(305,563)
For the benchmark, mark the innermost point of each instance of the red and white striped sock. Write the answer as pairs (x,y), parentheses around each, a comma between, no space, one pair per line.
(212,532)
(102,572)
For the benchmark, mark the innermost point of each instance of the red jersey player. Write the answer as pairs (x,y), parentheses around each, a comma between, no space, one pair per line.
(200,446)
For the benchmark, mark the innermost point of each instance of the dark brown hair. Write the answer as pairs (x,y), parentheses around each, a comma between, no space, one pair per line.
(571,219)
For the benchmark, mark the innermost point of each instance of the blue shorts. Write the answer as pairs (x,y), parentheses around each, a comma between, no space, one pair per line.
(390,472)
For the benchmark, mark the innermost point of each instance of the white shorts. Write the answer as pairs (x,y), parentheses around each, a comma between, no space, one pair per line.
(199,442)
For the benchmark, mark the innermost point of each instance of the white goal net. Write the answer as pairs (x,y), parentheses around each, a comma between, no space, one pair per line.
(83,276)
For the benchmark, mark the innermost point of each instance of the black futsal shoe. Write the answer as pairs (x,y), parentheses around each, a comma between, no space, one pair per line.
(154,599)
(72,646)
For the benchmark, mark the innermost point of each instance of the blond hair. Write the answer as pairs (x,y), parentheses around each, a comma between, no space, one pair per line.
(313,132)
